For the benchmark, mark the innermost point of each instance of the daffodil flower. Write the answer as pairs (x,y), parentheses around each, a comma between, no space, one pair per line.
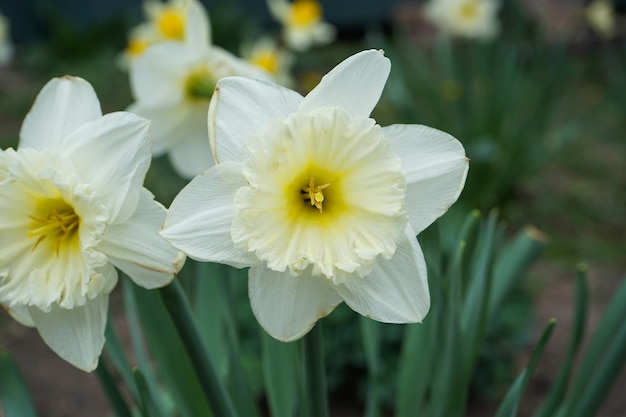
(73,208)
(184,21)
(466,18)
(172,84)
(268,56)
(601,17)
(303,25)
(317,199)
(6,46)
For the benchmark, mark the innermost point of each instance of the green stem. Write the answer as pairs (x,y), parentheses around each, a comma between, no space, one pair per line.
(179,310)
(315,373)
(112,391)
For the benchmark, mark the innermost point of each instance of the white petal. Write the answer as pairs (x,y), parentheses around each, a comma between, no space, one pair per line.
(63,105)
(76,335)
(197,26)
(113,155)
(200,217)
(242,106)
(279,9)
(191,154)
(436,169)
(355,84)
(396,291)
(288,306)
(21,315)
(136,248)
(166,122)
(158,75)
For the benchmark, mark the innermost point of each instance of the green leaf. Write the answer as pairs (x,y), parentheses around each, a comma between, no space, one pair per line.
(113,393)
(162,400)
(510,403)
(370,335)
(281,362)
(602,361)
(116,353)
(419,358)
(146,399)
(177,305)
(316,398)
(474,312)
(559,386)
(209,305)
(171,358)
(512,263)
(14,396)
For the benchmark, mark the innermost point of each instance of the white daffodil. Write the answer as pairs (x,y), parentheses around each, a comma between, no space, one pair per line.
(184,21)
(601,17)
(266,55)
(321,202)
(73,208)
(467,18)
(6,46)
(302,23)
(172,84)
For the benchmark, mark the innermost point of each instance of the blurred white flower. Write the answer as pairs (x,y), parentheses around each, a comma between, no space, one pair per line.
(302,22)
(601,17)
(6,46)
(466,18)
(175,20)
(73,208)
(172,84)
(321,202)
(265,54)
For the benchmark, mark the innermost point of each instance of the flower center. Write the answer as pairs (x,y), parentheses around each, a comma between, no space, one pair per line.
(325,191)
(268,60)
(171,24)
(54,222)
(314,194)
(469,9)
(200,84)
(136,47)
(305,12)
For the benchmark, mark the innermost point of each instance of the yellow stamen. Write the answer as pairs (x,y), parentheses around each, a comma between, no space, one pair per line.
(200,84)
(59,223)
(267,59)
(305,12)
(136,47)
(314,194)
(171,24)
(469,9)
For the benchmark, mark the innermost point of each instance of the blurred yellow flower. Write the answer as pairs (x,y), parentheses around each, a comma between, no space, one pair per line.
(73,208)
(6,46)
(302,21)
(172,84)
(175,20)
(265,54)
(601,17)
(466,18)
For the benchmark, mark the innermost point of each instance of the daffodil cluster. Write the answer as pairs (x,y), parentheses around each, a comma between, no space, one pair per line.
(172,83)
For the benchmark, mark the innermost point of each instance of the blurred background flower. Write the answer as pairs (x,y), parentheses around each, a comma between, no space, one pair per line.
(467,18)
(303,24)
(6,45)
